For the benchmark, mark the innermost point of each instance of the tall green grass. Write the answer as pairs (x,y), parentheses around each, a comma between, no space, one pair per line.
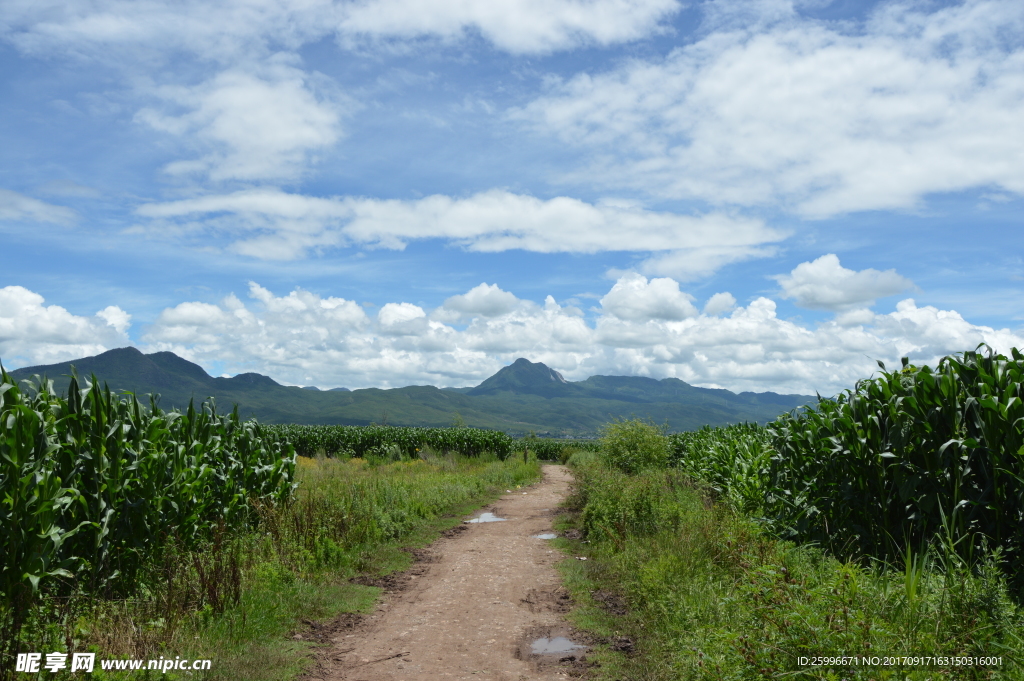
(343,506)
(711,594)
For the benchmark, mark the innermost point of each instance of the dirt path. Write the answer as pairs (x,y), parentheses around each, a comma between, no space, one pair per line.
(479,595)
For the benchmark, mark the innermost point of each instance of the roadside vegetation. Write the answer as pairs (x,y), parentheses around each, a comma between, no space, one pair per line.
(396,442)
(884,523)
(136,533)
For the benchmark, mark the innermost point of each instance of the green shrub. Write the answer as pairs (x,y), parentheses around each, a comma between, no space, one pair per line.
(634,445)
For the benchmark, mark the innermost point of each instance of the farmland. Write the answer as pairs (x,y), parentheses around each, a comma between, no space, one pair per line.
(133,531)
(886,521)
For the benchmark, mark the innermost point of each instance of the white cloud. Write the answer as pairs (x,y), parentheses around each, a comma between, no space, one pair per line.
(719,303)
(486,300)
(132,32)
(261,124)
(926,332)
(824,284)
(275,224)
(645,327)
(403,319)
(517,26)
(115,317)
(34,333)
(634,298)
(817,117)
(108,29)
(15,207)
(702,261)
(855,317)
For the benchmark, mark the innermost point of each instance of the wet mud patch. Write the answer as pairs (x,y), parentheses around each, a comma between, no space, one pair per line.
(423,555)
(325,632)
(454,531)
(547,600)
(325,636)
(622,644)
(555,647)
(394,582)
(610,601)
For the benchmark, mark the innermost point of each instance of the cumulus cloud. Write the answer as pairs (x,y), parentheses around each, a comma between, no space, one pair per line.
(485,300)
(719,303)
(254,125)
(643,327)
(15,207)
(32,332)
(403,319)
(225,29)
(634,298)
(822,118)
(115,317)
(824,284)
(284,225)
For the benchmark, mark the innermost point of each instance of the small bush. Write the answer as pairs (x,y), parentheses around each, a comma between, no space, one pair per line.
(634,445)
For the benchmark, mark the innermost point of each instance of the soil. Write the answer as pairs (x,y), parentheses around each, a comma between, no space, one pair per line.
(470,606)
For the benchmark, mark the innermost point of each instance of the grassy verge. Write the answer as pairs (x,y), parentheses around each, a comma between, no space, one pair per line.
(694,590)
(239,601)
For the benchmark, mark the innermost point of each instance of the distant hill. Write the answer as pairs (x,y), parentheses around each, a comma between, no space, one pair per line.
(524,396)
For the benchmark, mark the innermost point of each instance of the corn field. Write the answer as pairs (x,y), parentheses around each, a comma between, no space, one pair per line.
(733,460)
(392,441)
(549,449)
(908,459)
(909,456)
(92,486)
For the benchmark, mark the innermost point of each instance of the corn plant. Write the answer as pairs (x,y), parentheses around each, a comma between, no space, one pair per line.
(733,460)
(549,449)
(908,456)
(363,441)
(93,484)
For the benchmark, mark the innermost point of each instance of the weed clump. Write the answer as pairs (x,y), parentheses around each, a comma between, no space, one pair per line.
(634,445)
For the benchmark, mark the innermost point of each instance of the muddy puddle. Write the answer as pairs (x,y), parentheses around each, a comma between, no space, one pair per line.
(487,518)
(547,647)
(559,645)
(545,535)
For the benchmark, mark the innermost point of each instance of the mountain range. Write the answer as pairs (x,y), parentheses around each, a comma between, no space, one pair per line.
(524,396)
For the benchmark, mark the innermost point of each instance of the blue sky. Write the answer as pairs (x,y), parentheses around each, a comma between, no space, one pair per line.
(751,195)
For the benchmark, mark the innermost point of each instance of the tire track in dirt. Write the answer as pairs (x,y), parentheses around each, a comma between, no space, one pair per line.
(470,604)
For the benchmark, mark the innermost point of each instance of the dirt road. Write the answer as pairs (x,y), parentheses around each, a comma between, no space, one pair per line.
(480,597)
